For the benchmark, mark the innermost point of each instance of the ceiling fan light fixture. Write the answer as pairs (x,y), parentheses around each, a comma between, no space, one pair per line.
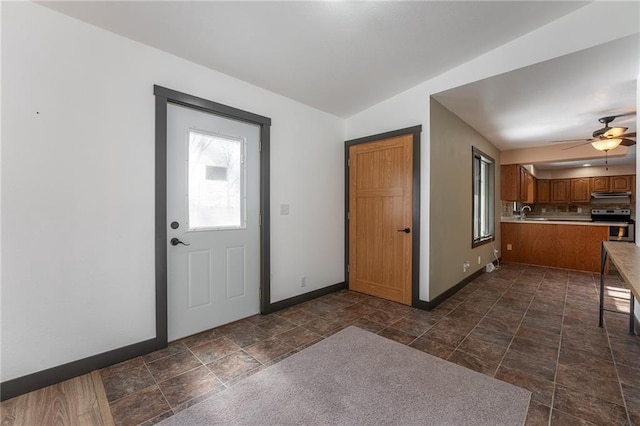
(614,132)
(606,144)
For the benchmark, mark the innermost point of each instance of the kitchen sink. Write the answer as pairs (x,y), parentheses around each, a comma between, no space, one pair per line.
(536,219)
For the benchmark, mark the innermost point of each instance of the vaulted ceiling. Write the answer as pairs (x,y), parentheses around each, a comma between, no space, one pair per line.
(343,57)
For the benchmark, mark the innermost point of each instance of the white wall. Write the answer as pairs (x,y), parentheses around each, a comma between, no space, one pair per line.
(78,186)
(563,36)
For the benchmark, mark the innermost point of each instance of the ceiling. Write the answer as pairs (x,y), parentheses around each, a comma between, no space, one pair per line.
(558,99)
(343,57)
(553,100)
(338,56)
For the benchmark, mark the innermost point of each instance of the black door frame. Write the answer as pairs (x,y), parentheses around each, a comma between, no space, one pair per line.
(415,225)
(165,96)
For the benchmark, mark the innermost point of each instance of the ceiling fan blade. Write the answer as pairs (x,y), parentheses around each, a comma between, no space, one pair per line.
(610,118)
(627,142)
(574,140)
(575,146)
(629,135)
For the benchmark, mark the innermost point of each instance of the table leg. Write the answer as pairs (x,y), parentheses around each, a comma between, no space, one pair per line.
(603,262)
(632,314)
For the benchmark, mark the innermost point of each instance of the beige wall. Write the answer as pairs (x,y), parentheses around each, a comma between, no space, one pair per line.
(556,152)
(451,207)
(621,169)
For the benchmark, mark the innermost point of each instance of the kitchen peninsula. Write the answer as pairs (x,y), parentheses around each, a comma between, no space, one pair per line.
(570,244)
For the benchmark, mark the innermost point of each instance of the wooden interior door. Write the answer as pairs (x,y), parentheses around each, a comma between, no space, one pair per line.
(380,218)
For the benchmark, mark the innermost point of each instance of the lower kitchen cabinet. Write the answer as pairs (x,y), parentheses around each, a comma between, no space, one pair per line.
(560,246)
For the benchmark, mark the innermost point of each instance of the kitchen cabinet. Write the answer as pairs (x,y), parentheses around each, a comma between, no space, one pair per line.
(516,184)
(543,186)
(580,190)
(523,183)
(560,190)
(620,183)
(559,246)
(532,190)
(600,184)
(510,189)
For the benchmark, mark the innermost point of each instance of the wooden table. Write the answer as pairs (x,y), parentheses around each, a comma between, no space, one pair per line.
(626,258)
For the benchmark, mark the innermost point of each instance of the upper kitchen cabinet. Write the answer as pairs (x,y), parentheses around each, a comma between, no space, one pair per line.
(510,182)
(516,184)
(532,190)
(600,184)
(620,183)
(560,190)
(544,194)
(580,190)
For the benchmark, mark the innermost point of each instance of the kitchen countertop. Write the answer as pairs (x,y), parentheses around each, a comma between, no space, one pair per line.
(561,221)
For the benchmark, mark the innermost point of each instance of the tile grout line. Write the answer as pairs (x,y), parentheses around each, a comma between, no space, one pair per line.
(610,401)
(457,306)
(524,314)
(483,317)
(555,376)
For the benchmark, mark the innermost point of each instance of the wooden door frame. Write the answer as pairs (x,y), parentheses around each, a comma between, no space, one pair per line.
(415,225)
(166,96)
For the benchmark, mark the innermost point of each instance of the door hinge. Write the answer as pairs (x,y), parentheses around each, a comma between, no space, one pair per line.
(348,162)
(260,145)
(348,215)
(347,268)
(260,219)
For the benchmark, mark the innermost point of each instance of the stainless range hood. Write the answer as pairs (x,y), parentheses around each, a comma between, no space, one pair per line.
(611,195)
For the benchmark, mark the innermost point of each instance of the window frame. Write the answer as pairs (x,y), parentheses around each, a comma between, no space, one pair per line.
(477,158)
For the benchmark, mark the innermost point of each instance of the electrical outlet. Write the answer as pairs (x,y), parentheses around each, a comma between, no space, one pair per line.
(544,211)
(466,265)
(495,252)
(579,209)
(509,247)
(303,281)
(284,209)
(479,260)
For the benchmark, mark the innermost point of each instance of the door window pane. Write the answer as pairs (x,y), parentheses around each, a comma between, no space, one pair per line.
(215,182)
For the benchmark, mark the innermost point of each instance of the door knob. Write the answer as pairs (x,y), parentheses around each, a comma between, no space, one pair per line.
(405,230)
(175,242)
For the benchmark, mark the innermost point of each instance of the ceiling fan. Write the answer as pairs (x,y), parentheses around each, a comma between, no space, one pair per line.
(607,138)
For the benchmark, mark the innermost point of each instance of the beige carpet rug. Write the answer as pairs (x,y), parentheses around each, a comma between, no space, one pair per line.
(358,378)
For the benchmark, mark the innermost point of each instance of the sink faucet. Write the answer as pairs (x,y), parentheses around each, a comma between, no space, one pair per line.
(522,211)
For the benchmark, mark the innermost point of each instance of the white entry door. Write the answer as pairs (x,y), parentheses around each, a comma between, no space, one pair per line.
(212,214)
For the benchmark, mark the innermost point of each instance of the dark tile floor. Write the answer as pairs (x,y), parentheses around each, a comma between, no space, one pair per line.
(530,326)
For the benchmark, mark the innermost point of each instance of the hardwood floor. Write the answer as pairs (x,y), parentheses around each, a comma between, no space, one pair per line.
(79,401)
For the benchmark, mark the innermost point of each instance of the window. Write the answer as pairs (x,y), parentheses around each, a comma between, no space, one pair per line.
(483,198)
(216,182)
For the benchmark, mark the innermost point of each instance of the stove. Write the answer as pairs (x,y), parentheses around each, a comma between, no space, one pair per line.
(618,232)
(611,215)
